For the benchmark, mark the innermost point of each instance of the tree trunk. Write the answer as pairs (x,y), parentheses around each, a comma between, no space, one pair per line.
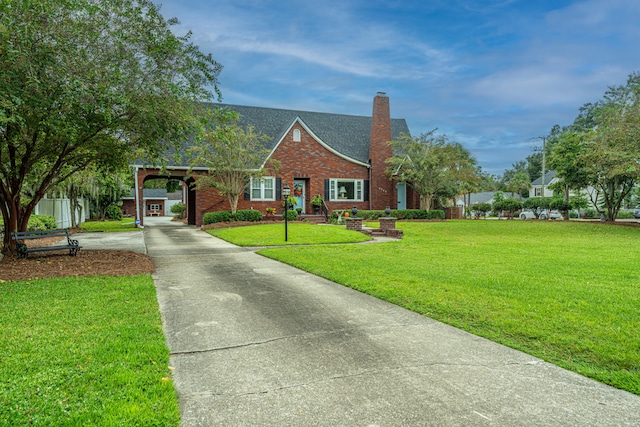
(233,201)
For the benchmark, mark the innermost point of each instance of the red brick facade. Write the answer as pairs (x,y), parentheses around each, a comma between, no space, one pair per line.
(313,162)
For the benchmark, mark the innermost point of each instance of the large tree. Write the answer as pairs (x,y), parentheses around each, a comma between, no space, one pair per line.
(607,150)
(434,166)
(87,82)
(232,155)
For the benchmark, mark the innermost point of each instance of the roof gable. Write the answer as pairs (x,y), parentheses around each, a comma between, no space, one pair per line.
(346,135)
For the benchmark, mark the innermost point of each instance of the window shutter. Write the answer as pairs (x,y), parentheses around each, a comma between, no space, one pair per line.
(327,196)
(247,190)
(365,191)
(278,188)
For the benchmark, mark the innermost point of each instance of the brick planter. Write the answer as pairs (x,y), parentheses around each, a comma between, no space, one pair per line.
(354,224)
(387,223)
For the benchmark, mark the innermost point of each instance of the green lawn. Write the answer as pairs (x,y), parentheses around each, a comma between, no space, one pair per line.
(298,234)
(126,224)
(84,351)
(566,292)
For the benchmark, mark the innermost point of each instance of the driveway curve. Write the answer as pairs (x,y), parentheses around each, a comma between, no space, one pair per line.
(257,342)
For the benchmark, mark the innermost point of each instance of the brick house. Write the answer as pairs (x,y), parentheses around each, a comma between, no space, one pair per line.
(340,157)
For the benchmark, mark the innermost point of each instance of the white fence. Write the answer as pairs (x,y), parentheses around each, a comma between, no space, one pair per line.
(61,211)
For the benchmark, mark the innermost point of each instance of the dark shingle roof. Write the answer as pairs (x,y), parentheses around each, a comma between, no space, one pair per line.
(547,178)
(346,134)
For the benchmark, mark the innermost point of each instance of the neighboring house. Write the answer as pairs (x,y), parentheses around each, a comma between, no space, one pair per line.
(536,186)
(550,178)
(156,202)
(341,157)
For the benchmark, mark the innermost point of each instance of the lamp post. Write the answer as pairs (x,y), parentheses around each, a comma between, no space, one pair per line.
(286,191)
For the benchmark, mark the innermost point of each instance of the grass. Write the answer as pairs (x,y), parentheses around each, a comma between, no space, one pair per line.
(126,224)
(84,351)
(298,234)
(565,292)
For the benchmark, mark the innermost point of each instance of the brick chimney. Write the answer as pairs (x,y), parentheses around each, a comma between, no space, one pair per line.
(381,189)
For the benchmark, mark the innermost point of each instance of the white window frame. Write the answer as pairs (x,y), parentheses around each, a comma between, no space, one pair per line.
(155,207)
(259,188)
(296,135)
(334,187)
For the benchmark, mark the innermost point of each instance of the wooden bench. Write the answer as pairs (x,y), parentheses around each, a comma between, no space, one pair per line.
(23,250)
(154,213)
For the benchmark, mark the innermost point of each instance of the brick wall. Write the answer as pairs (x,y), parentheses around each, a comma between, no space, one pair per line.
(382,189)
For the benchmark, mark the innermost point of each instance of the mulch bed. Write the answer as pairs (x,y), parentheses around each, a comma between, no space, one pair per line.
(85,263)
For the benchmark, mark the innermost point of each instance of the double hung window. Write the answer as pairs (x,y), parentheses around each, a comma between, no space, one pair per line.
(263,188)
(345,190)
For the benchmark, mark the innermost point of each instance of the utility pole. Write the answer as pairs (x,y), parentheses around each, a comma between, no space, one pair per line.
(544,159)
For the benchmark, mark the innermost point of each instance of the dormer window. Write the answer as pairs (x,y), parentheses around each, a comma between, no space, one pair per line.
(296,135)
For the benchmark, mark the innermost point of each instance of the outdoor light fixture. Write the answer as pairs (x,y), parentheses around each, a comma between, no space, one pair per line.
(286,191)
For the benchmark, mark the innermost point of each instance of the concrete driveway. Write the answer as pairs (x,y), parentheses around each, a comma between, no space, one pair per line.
(255,342)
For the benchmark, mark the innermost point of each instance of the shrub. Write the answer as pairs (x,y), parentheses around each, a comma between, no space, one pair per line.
(178,209)
(248,215)
(400,214)
(49,221)
(213,217)
(435,214)
(590,213)
(113,212)
(41,222)
(625,214)
(292,215)
(480,209)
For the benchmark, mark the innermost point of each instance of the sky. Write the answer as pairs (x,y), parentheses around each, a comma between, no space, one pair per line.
(493,75)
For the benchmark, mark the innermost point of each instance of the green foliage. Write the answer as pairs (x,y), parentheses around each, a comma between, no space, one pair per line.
(178,209)
(316,200)
(248,215)
(481,209)
(434,166)
(625,215)
(537,204)
(569,303)
(590,213)
(126,224)
(602,147)
(560,205)
(233,155)
(509,205)
(48,222)
(219,216)
(84,351)
(226,216)
(89,83)
(292,215)
(113,212)
(399,214)
(41,222)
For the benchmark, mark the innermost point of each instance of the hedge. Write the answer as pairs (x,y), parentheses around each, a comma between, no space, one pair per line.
(251,215)
(399,214)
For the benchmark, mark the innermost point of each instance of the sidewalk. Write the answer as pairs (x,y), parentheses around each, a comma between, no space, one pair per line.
(256,342)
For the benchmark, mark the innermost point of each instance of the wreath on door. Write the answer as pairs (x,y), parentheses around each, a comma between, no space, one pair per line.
(297,190)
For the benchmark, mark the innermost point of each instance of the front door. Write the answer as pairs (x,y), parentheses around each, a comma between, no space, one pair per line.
(401,188)
(299,194)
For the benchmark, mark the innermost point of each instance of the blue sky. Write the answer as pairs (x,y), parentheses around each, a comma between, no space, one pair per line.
(491,74)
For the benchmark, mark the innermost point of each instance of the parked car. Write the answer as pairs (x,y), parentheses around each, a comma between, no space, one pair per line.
(636,213)
(550,215)
(527,215)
